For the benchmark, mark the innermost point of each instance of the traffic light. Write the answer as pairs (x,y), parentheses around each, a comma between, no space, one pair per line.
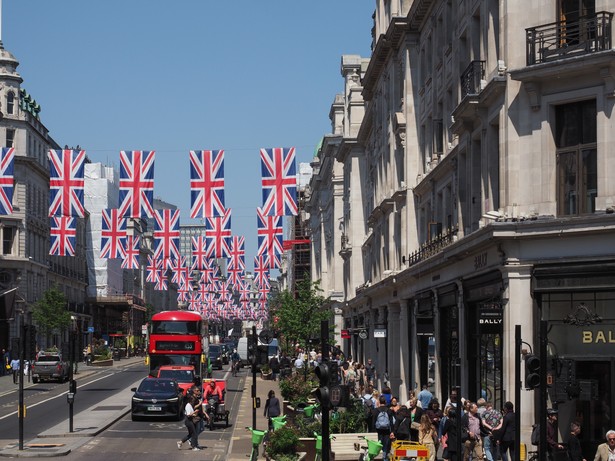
(252,349)
(322,393)
(532,371)
(334,373)
(72,386)
(29,342)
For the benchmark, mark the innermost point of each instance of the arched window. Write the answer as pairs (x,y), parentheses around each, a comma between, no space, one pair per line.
(10,102)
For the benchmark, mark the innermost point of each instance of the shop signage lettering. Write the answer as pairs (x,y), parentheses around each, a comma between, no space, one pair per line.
(490,321)
(595,337)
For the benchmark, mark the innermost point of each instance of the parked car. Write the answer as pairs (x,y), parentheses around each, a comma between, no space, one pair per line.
(49,366)
(183,374)
(157,397)
(215,356)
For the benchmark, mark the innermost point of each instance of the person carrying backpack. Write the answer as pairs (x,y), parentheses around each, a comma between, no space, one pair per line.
(384,422)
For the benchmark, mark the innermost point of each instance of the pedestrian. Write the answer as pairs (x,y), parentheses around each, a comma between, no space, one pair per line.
(394,405)
(435,414)
(402,423)
(606,451)
(449,434)
(491,419)
(6,364)
(553,446)
(15,368)
(370,372)
(428,436)
(424,397)
(272,408)
(453,398)
(360,378)
(299,363)
(274,365)
(506,432)
(191,420)
(386,392)
(415,418)
(384,422)
(471,425)
(574,446)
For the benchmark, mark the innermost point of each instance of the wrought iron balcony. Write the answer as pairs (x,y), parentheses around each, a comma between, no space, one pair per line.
(560,39)
(471,79)
(433,246)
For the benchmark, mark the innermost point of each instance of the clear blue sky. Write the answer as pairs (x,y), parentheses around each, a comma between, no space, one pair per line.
(175,75)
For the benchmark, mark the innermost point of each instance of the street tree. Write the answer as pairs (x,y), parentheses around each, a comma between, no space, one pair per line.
(50,313)
(297,316)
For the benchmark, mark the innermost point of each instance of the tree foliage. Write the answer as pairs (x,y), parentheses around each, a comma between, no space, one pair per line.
(50,313)
(298,318)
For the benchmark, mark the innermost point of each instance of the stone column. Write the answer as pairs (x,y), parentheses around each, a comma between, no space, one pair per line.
(405,360)
(393,337)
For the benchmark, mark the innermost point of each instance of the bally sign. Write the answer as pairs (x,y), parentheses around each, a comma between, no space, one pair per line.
(490,320)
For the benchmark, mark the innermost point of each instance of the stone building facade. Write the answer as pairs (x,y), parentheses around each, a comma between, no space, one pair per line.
(475,152)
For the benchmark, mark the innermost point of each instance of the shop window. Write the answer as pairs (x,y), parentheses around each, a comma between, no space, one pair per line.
(577,171)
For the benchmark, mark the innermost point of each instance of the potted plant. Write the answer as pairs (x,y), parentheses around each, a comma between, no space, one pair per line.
(282,445)
(265,371)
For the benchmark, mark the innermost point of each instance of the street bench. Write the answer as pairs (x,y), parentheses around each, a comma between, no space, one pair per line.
(342,446)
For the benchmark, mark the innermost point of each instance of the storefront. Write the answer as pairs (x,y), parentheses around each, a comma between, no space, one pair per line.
(578,303)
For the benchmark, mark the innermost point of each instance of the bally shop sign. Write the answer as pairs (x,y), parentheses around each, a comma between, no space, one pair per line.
(490,319)
(583,340)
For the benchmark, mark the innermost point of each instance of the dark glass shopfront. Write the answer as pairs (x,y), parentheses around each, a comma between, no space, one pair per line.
(578,302)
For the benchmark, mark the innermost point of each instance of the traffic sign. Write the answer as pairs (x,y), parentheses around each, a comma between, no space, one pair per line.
(90,329)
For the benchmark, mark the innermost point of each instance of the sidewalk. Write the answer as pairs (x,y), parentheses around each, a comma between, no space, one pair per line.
(58,441)
(241,441)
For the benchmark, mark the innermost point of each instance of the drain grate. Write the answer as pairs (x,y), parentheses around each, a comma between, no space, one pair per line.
(109,407)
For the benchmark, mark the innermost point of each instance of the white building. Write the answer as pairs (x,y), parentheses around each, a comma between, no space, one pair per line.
(474,148)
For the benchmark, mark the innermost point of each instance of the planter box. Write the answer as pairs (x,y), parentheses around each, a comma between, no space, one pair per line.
(307,445)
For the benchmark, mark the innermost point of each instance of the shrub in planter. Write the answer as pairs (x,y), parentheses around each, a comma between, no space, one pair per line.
(297,389)
(282,444)
(350,421)
(307,426)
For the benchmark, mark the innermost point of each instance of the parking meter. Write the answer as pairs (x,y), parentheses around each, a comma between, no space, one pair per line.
(70,397)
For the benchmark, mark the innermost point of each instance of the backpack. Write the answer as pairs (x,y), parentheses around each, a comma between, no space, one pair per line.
(367,406)
(403,430)
(383,422)
(535,437)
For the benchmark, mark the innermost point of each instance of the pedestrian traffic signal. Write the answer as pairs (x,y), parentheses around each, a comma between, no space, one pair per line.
(29,342)
(322,393)
(532,371)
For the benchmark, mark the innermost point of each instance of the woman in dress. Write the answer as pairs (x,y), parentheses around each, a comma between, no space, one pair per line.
(428,436)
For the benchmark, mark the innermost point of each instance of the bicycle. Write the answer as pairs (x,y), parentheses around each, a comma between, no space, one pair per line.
(318,456)
(257,439)
(235,368)
(370,451)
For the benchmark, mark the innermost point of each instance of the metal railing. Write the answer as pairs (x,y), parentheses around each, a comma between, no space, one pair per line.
(471,79)
(560,39)
(433,246)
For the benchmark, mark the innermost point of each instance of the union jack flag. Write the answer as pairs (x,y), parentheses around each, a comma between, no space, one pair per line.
(270,237)
(113,234)
(7,165)
(131,252)
(66,182)
(180,271)
(194,304)
(161,283)
(206,183)
(209,273)
(152,269)
(237,263)
(63,234)
(244,290)
(279,181)
(183,294)
(199,252)
(136,183)
(166,236)
(261,270)
(218,233)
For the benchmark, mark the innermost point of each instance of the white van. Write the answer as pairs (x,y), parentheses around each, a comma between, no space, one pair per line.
(271,350)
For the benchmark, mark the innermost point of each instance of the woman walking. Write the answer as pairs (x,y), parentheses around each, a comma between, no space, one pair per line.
(192,421)
(272,408)
(428,436)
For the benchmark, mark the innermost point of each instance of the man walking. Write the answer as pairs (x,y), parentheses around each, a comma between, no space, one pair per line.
(606,451)
(424,397)
(370,372)
(15,367)
(471,422)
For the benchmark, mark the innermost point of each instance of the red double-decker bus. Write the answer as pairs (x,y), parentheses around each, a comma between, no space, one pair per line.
(177,338)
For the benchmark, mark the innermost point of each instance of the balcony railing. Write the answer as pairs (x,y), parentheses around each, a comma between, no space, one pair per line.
(564,38)
(471,79)
(433,246)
